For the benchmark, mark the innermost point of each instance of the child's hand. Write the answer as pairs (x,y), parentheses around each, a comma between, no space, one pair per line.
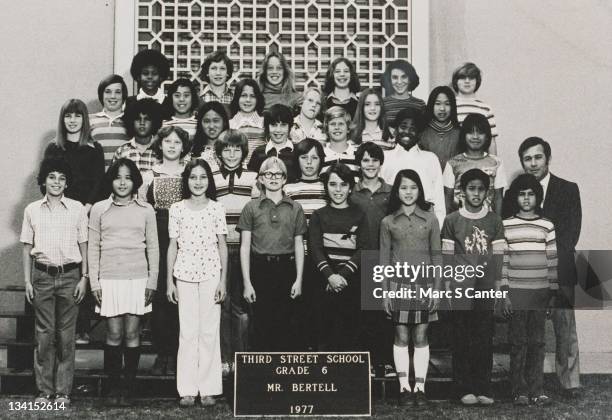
(249,293)
(97,294)
(29,292)
(149,293)
(220,293)
(387,305)
(434,304)
(171,292)
(337,282)
(79,291)
(507,308)
(296,289)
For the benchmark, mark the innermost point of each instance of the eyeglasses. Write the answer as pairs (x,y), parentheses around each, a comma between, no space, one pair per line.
(273,175)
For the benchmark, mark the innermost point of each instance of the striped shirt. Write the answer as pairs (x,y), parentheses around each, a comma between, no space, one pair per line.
(335,240)
(376,136)
(55,233)
(187,124)
(393,106)
(530,261)
(110,132)
(234,192)
(252,126)
(467,106)
(310,194)
(144,160)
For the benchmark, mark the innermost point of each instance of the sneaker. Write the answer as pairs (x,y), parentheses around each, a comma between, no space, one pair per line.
(62,400)
(390,371)
(420,400)
(43,398)
(207,401)
(484,400)
(405,397)
(159,366)
(171,366)
(226,369)
(521,400)
(469,399)
(82,338)
(541,401)
(187,401)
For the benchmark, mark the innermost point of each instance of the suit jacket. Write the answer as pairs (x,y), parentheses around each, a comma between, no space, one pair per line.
(562,207)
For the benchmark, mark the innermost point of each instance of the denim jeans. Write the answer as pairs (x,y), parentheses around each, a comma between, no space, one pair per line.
(56,314)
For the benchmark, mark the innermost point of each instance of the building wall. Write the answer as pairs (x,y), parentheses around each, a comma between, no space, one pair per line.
(51,51)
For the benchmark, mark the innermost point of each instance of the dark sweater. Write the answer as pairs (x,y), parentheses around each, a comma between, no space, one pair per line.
(285,154)
(87,165)
(335,240)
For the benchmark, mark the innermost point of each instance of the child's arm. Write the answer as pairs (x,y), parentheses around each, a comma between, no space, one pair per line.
(448,179)
(351,267)
(435,250)
(385,259)
(93,252)
(438,197)
(152,245)
(27,272)
(448,246)
(98,175)
(499,183)
(221,291)
(296,288)
(449,199)
(315,246)
(81,288)
(551,259)
(171,292)
(245,265)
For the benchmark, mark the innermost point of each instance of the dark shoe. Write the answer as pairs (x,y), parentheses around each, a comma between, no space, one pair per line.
(160,365)
(541,401)
(43,398)
(521,400)
(420,400)
(171,366)
(62,401)
(405,398)
(82,338)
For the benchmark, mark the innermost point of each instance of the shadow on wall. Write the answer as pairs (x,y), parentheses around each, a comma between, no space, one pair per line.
(10,257)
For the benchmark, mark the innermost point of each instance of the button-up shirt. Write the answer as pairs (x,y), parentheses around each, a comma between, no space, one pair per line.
(144,159)
(374,205)
(55,233)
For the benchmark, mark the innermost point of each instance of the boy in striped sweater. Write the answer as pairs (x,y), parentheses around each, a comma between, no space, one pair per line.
(530,273)
(337,234)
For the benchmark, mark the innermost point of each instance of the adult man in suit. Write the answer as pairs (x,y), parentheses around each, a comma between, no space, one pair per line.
(562,206)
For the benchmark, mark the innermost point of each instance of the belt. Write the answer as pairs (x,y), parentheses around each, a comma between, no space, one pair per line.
(274,258)
(54,270)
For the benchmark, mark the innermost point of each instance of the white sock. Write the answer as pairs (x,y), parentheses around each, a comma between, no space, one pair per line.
(401,357)
(421,363)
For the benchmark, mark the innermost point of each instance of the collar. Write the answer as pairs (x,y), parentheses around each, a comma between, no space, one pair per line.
(485,154)
(398,148)
(226,172)
(45,200)
(105,115)
(307,181)
(353,95)
(544,181)
(271,145)
(349,150)
(384,187)
(109,202)
(262,199)
(252,119)
(419,212)
(474,216)
(298,122)
(179,120)
(159,95)
(207,89)
(158,167)
(377,130)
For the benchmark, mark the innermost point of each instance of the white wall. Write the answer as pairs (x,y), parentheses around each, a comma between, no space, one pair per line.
(51,51)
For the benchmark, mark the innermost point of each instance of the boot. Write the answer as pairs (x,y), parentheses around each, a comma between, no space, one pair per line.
(113,361)
(131,357)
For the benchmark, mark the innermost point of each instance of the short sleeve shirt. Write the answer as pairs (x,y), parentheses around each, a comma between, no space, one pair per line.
(273,226)
(196,233)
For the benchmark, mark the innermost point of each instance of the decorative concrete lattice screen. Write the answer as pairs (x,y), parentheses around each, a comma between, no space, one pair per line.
(310,34)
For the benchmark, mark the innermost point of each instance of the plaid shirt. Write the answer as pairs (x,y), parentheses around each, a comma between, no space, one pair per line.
(144,160)
(226,98)
(55,234)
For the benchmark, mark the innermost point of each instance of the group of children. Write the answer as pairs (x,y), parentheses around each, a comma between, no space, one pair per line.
(249,207)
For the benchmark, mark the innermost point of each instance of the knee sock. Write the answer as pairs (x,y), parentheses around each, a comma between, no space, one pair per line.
(113,361)
(401,357)
(421,363)
(132,356)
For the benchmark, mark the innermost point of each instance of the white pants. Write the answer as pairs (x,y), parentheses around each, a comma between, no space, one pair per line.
(199,353)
